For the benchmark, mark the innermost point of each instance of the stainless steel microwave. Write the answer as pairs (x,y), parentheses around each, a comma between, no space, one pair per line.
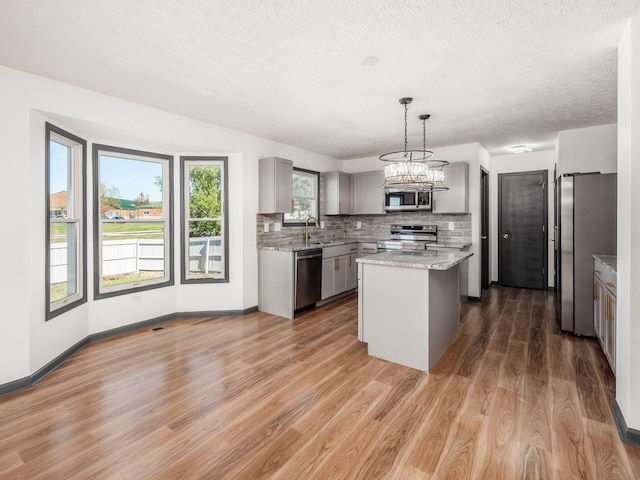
(406,201)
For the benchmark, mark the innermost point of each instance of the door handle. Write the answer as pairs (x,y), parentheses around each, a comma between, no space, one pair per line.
(483,237)
(505,236)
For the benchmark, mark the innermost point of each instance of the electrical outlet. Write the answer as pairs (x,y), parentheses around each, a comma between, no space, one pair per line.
(358,224)
(451,226)
(266,227)
(277,226)
(322,225)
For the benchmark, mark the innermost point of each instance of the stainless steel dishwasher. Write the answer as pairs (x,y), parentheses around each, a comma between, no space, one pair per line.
(308,277)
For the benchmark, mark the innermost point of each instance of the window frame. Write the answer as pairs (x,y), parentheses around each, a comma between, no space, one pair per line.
(79,200)
(310,173)
(186,161)
(167,219)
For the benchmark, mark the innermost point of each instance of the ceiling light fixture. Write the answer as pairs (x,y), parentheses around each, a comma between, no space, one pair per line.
(412,169)
(518,149)
(207,92)
(369,61)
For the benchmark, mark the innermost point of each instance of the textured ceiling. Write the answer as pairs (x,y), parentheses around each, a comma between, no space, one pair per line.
(499,72)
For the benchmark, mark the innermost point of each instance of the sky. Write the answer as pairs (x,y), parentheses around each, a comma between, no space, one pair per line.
(130,177)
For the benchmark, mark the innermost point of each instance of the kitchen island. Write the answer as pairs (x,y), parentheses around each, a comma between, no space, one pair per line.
(409,305)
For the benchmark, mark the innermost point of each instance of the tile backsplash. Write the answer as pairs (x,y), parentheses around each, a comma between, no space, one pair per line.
(372,226)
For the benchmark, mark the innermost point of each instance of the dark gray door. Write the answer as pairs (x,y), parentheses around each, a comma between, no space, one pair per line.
(522,229)
(484,227)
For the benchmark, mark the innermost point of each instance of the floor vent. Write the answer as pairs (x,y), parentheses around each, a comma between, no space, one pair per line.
(155,329)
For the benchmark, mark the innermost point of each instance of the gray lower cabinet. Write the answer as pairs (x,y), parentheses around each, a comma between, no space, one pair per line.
(276,282)
(338,269)
(604,310)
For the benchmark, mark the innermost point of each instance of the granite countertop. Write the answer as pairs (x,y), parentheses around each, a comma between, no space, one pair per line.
(313,244)
(610,261)
(430,259)
(450,245)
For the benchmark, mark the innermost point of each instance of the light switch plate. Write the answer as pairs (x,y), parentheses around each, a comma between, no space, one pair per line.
(277,226)
(322,225)
(266,227)
(451,226)
(358,224)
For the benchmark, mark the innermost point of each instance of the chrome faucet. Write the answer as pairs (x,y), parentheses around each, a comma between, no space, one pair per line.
(306,228)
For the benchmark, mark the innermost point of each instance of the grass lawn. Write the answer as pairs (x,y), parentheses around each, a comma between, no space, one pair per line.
(111,231)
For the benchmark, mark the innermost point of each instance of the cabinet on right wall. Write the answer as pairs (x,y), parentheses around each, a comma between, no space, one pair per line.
(456,199)
(604,308)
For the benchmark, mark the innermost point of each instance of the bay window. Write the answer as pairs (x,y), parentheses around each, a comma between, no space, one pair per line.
(132,234)
(65,193)
(204,231)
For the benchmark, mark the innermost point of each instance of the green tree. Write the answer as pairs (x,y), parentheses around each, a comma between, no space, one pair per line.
(205,201)
(109,199)
(302,197)
(141,199)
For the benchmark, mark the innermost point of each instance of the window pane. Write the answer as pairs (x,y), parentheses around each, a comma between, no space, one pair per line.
(63,254)
(304,185)
(303,208)
(204,230)
(132,252)
(128,187)
(305,197)
(59,179)
(205,192)
(206,251)
(135,216)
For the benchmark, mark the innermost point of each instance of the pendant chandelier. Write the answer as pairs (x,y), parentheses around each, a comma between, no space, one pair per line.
(413,169)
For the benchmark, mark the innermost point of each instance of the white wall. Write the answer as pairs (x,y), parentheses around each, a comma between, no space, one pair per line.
(521,162)
(27,342)
(628,280)
(472,153)
(591,149)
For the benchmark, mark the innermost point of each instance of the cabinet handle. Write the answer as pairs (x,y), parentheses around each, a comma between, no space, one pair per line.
(610,285)
(595,290)
(349,261)
(597,271)
(292,209)
(335,264)
(607,313)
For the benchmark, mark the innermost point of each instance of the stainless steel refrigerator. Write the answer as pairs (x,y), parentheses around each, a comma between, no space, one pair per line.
(586,224)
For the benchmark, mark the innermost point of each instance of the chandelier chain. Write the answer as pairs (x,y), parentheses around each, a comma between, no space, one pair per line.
(405,127)
(424,134)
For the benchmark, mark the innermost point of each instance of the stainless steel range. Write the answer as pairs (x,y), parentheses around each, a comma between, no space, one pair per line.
(409,238)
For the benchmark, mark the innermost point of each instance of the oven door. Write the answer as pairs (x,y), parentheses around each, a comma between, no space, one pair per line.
(401,246)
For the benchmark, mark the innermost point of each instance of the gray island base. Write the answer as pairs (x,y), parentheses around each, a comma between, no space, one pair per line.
(409,305)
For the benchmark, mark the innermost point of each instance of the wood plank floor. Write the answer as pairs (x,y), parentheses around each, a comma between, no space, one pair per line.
(264,397)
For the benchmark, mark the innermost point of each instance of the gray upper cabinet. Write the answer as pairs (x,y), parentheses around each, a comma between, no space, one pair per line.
(337,193)
(368,197)
(276,185)
(456,199)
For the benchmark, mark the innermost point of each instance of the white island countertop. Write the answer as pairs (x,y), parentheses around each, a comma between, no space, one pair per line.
(432,260)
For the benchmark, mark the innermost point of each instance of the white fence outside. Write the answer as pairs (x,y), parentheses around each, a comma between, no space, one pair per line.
(205,254)
(120,257)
